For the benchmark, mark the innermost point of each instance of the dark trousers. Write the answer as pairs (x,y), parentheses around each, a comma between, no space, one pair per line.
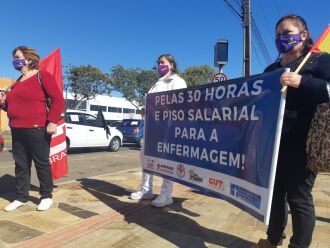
(31,144)
(293,187)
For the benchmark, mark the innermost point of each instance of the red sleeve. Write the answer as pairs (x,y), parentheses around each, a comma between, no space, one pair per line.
(52,91)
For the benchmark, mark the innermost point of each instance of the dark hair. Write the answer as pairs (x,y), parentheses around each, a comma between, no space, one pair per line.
(29,54)
(170,59)
(302,25)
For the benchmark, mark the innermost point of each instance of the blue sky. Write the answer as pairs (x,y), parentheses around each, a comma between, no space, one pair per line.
(104,33)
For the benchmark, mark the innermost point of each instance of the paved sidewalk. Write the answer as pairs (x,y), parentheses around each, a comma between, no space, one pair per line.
(96,212)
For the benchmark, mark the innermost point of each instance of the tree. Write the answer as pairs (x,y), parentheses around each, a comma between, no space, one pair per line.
(145,80)
(132,83)
(86,82)
(198,75)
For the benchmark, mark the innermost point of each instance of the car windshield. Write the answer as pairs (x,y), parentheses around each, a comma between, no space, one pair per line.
(130,123)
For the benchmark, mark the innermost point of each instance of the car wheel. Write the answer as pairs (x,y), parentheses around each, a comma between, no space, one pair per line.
(114,144)
(141,142)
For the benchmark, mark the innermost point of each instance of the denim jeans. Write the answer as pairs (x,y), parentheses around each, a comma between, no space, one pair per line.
(31,144)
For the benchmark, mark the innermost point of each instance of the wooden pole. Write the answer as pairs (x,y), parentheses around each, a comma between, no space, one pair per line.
(284,88)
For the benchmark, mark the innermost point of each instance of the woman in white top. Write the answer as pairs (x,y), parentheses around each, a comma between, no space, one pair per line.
(169,80)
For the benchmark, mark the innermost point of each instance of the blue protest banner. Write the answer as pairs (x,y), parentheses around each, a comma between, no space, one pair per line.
(221,138)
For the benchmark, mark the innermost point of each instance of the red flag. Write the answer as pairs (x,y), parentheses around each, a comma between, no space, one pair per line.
(58,153)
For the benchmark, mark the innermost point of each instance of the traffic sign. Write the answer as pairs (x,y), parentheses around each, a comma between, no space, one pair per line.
(219,77)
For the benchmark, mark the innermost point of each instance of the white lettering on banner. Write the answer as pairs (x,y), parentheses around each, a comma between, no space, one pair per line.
(58,148)
(224,158)
(57,157)
(189,133)
(223,114)
(169,99)
(233,91)
(235,113)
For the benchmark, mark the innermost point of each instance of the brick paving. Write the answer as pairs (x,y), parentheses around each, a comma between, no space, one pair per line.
(96,212)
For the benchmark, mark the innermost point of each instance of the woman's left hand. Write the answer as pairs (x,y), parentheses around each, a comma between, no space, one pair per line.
(51,128)
(290,79)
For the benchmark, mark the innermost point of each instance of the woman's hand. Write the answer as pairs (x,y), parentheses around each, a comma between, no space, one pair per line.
(290,79)
(51,128)
(2,98)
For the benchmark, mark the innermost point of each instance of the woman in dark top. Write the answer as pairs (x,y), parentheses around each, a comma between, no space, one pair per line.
(293,182)
(31,125)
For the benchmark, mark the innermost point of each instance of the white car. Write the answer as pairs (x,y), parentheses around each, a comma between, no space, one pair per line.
(85,130)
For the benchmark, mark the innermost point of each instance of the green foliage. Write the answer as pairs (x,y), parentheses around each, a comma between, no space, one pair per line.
(198,75)
(145,80)
(86,82)
(132,83)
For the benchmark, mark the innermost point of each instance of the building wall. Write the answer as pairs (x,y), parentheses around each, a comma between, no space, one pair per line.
(125,109)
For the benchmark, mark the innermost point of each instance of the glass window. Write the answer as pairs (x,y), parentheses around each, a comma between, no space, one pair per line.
(128,111)
(97,107)
(71,104)
(91,120)
(74,118)
(115,110)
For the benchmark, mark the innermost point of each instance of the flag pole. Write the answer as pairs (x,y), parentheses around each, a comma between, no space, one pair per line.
(284,88)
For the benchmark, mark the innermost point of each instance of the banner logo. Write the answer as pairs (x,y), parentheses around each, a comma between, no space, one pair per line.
(194,176)
(216,183)
(180,171)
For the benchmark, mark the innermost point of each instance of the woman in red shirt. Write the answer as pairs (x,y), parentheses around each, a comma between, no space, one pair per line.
(32,125)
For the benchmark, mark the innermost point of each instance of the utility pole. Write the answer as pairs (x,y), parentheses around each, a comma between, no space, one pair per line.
(246,12)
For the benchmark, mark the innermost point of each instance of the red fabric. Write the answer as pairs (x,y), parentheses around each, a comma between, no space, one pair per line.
(58,153)
(316,47)
(26,102)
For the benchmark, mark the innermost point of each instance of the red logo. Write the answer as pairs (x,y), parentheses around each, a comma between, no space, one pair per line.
(180,170)
(217,183)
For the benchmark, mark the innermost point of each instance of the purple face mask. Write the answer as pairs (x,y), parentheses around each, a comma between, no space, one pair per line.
(19,64)
(285,42)
(163,70)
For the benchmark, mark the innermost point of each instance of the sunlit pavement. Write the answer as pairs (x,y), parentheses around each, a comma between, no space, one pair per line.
(96,212)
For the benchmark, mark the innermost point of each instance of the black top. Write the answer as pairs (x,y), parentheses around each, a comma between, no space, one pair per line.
(301,103)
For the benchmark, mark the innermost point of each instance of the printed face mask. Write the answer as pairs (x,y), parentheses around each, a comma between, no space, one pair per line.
(19,64)
(286,42)
(163,70)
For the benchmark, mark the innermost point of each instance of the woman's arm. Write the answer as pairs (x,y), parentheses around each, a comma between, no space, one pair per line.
(57,101)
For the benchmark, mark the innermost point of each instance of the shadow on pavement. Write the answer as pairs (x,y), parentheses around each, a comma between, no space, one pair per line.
(7,189)
(7,185)
(176,228)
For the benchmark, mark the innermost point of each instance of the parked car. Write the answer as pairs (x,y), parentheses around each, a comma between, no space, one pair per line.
(2,142)
(86,130)
(113,123)
(132,130)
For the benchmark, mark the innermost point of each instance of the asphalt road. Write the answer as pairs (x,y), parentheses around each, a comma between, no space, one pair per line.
(82,163)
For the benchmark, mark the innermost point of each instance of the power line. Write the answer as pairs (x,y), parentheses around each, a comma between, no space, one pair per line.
(270,30)
(255,52)
(233,10)
(260,42)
